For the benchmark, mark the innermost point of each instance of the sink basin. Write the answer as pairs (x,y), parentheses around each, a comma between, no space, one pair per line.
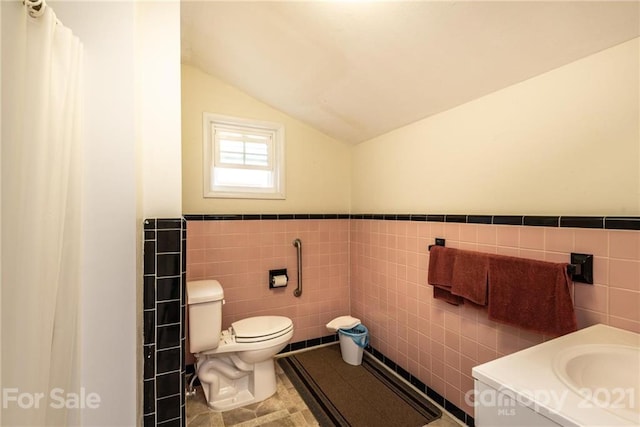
(607,376)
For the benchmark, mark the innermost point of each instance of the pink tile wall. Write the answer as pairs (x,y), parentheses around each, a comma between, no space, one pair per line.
(240,254)
(440,343)
(380,268)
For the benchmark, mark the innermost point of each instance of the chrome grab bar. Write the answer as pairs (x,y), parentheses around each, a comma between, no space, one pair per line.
(298,244)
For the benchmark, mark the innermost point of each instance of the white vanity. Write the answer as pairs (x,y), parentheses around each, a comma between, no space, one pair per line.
(587,378)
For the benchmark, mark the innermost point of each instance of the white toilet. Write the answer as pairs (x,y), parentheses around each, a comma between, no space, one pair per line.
(235,366)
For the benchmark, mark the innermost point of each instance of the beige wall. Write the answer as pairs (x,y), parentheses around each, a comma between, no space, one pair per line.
(158,110)
(318,167)
(565,142)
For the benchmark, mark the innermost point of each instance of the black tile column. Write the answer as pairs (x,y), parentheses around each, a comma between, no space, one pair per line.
(163,316)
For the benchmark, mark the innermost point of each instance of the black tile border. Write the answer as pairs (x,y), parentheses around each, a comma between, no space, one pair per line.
(507,220)
(594,222)
(542,221)
(582,221)
(431,393)
(479,219)
(164,261)
(245,217)
(622,223)
(455,218)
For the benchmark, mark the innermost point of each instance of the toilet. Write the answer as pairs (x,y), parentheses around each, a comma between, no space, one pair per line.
(235,366)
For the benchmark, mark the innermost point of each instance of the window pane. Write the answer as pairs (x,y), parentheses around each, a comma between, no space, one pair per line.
(257,154)
(231,146)
(256,148)
(231,158)
(256,160)
(242,178)
(245,149)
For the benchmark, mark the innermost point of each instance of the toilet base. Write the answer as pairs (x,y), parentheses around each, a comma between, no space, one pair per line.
(241,398)
(223,393)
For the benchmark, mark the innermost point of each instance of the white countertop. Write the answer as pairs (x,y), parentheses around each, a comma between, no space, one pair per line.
(528,376)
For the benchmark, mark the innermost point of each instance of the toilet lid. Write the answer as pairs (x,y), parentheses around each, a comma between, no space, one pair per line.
(261,328)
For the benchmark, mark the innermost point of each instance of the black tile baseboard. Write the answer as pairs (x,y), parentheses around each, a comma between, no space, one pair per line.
(301,345)
(164,282)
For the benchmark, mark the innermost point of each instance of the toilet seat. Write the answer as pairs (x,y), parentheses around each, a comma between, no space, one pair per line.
(261,328)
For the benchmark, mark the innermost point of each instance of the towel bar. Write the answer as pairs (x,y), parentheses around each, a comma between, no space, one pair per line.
(580,269)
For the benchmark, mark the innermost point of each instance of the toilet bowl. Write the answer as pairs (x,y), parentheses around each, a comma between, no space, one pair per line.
(240,372)
(235,366)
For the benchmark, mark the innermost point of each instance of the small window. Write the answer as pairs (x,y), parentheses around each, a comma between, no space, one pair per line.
(243,158)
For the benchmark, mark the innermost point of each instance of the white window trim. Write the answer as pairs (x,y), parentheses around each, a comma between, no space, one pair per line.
(275,192)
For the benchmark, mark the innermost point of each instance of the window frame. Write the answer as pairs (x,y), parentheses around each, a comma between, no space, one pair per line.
(275,191)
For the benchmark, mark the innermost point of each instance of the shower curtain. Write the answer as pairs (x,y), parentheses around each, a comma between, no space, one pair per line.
(41,218)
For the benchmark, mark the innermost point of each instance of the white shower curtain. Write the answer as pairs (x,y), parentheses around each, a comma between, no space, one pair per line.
(41,228)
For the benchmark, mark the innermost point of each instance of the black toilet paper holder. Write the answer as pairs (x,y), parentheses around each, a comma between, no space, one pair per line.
(273,274)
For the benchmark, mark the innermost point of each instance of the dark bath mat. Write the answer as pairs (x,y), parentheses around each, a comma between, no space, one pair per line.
(368,395)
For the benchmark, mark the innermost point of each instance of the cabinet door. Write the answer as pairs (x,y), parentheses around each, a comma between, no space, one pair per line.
(496,409)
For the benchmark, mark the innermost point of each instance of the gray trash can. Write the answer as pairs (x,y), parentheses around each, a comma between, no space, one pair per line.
(352,343)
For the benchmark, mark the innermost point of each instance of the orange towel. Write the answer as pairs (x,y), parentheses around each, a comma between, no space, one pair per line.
(441,261)
(469,280)
(531,294)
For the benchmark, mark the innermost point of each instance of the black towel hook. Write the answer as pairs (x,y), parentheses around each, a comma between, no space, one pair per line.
(439,242)
(581,268)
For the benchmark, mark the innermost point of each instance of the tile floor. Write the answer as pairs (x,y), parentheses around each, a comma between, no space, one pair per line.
(285,408)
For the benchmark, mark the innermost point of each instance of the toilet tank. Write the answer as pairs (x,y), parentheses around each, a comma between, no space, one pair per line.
(204,303)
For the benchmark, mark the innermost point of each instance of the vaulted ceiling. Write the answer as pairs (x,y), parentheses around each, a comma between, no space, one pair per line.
(358,69)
